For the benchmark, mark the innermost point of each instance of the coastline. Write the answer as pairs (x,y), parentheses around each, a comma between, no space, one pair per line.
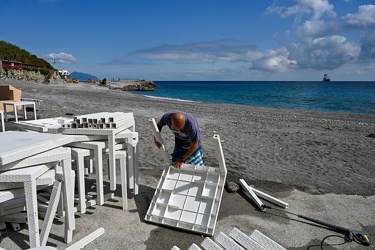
(296,155)
(338,96)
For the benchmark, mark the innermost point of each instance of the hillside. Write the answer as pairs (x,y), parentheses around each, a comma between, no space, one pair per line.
(83,77)
(12,52)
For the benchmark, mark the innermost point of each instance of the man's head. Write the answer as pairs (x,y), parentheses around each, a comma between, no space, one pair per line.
(178,121)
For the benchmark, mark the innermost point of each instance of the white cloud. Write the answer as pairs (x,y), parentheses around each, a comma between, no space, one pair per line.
(273,61)
(316,8)
(315,53)
(318,43)
(313,28)
(364,17)
(220,54)
(324,53)
(363,21)
(61,57)
(202,52)
(310,17)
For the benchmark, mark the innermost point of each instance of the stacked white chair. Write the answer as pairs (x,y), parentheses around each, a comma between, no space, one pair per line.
(119,143)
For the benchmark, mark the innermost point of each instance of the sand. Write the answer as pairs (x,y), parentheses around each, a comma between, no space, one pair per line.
(320,163)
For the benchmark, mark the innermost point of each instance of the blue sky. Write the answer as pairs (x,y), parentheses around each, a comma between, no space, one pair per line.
(170,40)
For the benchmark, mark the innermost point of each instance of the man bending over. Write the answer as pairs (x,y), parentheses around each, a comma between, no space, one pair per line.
(188,146)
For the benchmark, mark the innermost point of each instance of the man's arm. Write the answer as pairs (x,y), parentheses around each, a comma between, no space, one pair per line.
(158,144)
(159,126)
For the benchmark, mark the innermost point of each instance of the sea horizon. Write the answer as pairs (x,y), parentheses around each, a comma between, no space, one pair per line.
(334,96)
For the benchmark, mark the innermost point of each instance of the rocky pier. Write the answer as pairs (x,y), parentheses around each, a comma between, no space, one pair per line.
(133,85)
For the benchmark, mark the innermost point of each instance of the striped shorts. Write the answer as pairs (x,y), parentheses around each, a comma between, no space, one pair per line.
(196,158)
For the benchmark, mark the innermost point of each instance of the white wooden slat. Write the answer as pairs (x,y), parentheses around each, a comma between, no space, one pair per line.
(227,242)
(194,247)
(244,240)
(265,241)
(209,244)
(86,240)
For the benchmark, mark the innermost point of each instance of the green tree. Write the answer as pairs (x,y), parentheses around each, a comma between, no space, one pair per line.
(12,52)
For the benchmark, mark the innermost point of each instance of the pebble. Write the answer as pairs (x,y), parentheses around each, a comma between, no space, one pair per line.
(232,187)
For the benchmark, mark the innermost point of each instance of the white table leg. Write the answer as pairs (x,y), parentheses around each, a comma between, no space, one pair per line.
(2,120)
(5,112)
(68,200)
(112,161)
(124,189)
(51,211)
(136,167)
(24,112)
(99,174)
(78,155)
(15,112)
(81,183)
(32,212)
(34,109)
(130,164)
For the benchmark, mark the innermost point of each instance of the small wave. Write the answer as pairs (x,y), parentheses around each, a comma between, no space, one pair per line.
(168,98)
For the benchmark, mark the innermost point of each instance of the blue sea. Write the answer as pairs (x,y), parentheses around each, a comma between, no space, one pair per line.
(334,96)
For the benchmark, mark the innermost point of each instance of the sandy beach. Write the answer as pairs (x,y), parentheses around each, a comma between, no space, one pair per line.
(322,164)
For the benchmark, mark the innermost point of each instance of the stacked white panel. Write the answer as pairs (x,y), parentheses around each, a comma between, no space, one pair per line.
(227,242)
(245,241)
(265,241)
(209,244)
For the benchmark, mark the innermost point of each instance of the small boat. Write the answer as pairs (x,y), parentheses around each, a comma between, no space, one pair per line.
(326,78)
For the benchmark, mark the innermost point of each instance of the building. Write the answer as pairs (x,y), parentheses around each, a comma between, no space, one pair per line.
(64,72)
(5,64)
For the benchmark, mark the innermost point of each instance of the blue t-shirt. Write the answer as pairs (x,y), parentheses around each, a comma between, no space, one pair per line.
(189,133)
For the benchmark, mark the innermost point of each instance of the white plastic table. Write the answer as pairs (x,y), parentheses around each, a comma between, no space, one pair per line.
(21,103)
(2,120)
(17,145)
(18,150)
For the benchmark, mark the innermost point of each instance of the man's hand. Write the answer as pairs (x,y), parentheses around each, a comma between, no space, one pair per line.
(158,144)
(178,164)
